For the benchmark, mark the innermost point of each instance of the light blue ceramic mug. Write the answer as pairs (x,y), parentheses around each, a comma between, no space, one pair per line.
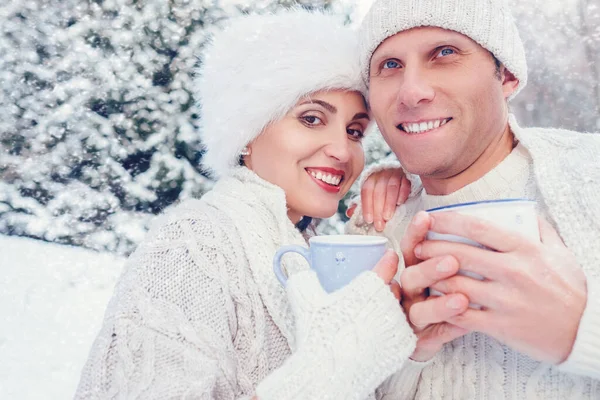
(337,259)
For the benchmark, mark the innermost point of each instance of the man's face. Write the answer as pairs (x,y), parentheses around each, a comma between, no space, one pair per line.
(438,100)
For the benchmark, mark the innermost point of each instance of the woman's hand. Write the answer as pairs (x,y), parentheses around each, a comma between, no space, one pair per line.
(347,342)
(380,194)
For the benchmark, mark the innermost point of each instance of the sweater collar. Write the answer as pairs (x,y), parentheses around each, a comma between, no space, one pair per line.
(258,210)
(493,185)
(565,165)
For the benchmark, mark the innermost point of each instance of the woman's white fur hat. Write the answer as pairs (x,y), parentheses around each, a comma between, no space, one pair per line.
(488,22)
(254,71)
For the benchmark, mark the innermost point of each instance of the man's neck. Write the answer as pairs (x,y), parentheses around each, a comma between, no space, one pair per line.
(489,159)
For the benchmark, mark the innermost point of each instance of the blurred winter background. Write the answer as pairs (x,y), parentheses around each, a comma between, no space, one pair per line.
(98,135)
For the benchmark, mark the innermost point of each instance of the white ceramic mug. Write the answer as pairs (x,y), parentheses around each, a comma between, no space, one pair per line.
(337,259)
(517,215)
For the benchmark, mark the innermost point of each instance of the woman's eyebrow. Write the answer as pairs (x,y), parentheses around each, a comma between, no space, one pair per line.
(361,116)
(324,104)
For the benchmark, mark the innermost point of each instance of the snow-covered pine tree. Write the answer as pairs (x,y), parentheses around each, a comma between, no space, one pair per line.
(98,131)
(97,116)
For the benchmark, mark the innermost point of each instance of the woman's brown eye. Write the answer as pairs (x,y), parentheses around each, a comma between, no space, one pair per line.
(355,133)
(311,119)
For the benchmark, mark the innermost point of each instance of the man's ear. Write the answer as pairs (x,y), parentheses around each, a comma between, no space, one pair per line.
(509,82)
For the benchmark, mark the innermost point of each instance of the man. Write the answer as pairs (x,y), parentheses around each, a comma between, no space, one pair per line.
(441,73)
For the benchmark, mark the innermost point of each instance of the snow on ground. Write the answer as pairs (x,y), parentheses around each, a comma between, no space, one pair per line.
(52,300)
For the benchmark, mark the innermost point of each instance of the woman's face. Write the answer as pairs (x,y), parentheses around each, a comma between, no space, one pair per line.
(314,153)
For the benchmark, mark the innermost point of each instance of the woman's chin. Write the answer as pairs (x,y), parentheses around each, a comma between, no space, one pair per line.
(322,213)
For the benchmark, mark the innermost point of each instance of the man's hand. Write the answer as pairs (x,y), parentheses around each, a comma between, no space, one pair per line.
(428,315)
(533,295)
(386,269)
(380,194)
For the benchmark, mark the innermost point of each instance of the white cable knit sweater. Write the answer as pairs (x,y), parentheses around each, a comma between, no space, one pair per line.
(198,312)
(561,170)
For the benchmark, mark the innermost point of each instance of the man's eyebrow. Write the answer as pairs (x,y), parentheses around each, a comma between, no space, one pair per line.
(324,104)
(449,40)
(382,56)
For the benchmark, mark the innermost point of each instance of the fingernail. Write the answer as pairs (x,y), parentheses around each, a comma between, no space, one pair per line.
(454,303)
(369,218)
(379,225)
(388,254)
(388,215)
(420,218)
(418,249)
(444,266)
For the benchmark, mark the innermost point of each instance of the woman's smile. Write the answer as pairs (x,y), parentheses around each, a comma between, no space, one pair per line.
(327,178)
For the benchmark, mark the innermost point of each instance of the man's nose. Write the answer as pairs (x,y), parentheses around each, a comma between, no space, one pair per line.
(415,89)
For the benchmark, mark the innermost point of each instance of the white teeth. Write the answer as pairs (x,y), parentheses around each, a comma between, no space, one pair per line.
(330,179)
(424,126)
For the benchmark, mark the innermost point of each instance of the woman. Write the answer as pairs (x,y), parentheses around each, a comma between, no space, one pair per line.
(198,312)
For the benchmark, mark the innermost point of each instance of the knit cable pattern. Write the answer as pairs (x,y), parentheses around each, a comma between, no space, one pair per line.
(198,312)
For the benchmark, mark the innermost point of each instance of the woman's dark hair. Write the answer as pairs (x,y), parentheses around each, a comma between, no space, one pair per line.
(498,65)
(303,223)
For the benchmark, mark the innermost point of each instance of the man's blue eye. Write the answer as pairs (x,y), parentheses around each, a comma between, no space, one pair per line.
(391,64)
(446,52)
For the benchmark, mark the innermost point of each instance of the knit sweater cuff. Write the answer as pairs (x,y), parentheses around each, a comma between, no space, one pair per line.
(585,356)
(386,163)
(350,341)
(390,162)
(403,384)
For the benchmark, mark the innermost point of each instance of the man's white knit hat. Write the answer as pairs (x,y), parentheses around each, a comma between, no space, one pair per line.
(254,71)
(487,22)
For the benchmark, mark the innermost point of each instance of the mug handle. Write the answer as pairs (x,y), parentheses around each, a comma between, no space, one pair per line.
(304,252)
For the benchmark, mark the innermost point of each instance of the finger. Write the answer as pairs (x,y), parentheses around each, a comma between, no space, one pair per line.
(405,187)
(435,310)
(387,267)
(417,278)
(478,230)
(379,194)
(415,234)
(366,198)
(548,234)
(446,332)
(489,264)
(350,211)
(433,338)
(392,194)
(475,320)
(395,288)
(484,293)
